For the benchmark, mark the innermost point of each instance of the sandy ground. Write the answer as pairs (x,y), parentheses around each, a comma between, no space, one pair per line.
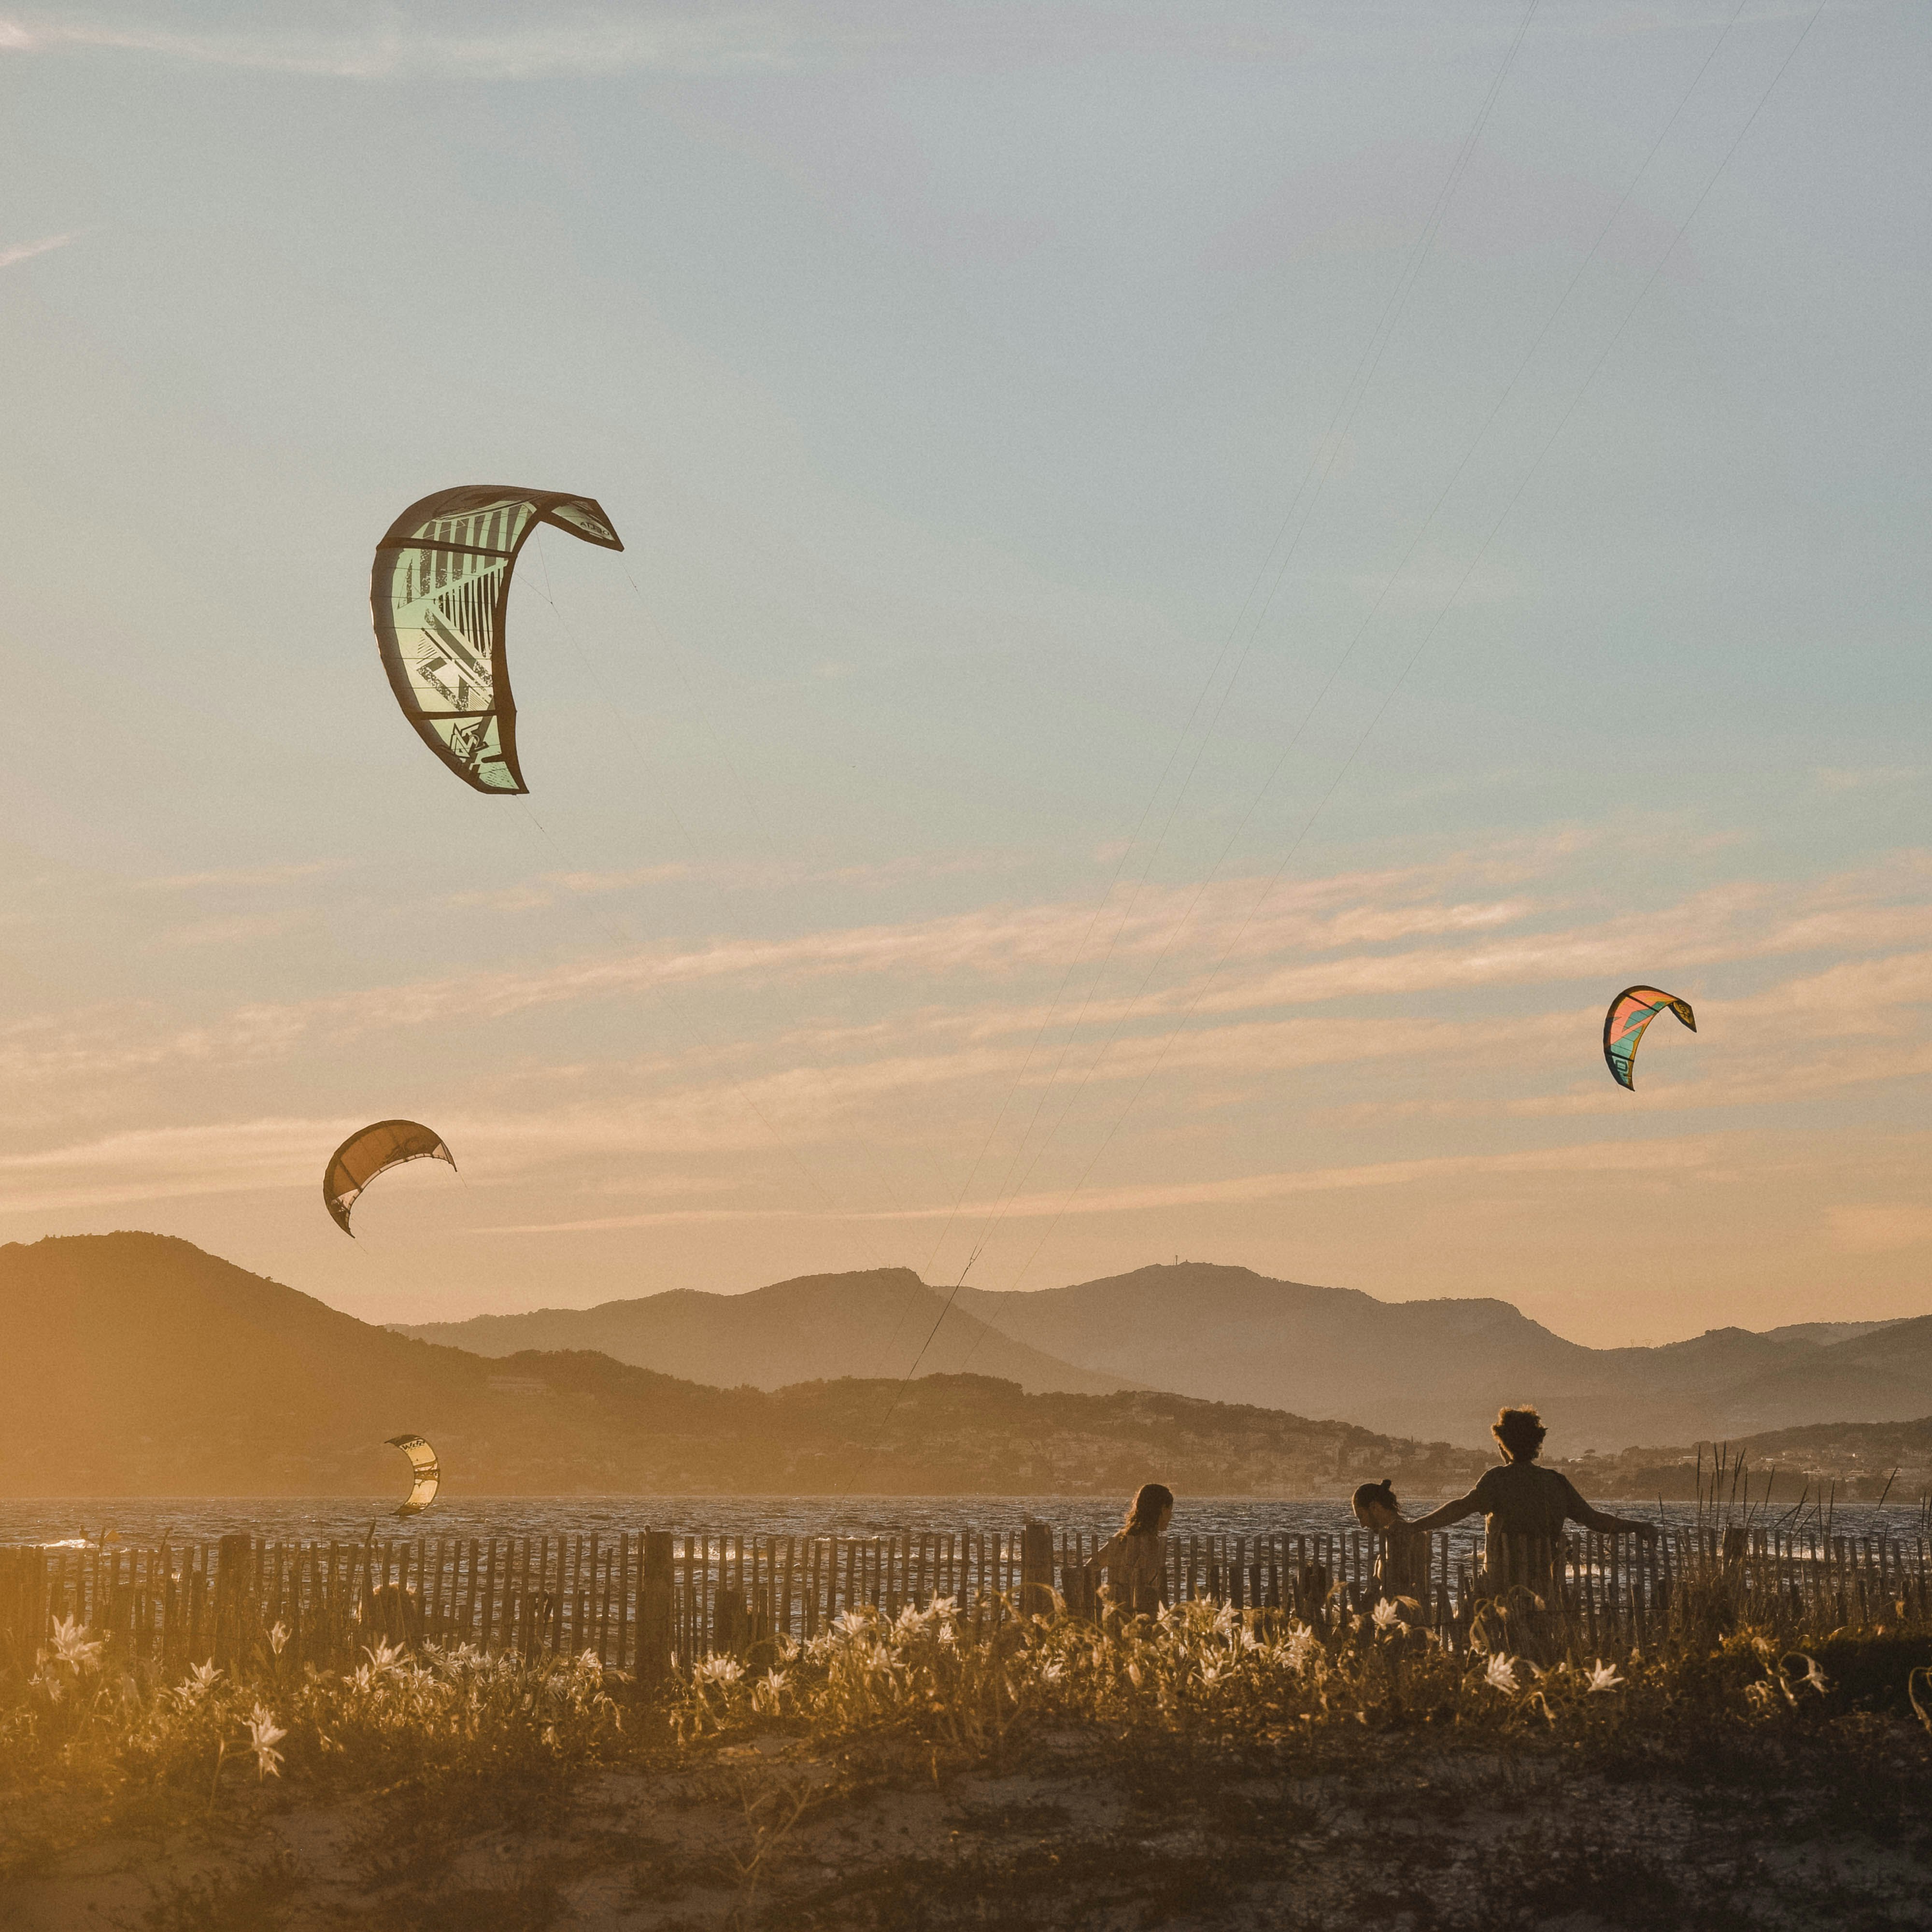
(1079,1836)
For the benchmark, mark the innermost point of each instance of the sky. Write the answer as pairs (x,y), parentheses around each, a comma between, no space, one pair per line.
(1202,585)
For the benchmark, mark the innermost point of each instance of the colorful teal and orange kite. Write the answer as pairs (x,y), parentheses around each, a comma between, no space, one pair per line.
(1631,1012)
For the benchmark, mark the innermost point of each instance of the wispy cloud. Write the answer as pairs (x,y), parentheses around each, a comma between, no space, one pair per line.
(1864,778)
(1597,1157)
(1357,937)
(666,1218)
(1878,1227)
(242,929)
(547,889)
(241,877)
(25,251)
(380,43)
(386,43)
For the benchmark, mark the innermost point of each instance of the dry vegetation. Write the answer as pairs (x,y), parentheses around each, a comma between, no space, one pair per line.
(1214,1768)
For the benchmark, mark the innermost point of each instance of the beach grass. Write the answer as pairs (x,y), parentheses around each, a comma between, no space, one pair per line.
(1211,1766)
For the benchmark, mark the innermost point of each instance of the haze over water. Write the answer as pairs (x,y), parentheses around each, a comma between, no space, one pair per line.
(141,1522)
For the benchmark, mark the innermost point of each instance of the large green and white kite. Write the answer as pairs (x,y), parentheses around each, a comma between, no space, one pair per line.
(440,591)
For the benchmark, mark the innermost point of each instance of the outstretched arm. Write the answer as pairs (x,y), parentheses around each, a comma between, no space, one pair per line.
(1606,1525)
(1449,1513)
(1601,1521)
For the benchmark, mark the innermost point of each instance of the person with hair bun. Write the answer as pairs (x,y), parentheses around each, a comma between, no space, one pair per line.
(1403,1568)
(1522,1503)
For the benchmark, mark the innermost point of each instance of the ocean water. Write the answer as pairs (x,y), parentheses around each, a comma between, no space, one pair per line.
(140,1522)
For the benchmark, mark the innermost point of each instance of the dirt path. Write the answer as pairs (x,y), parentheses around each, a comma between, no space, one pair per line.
(1081,1837)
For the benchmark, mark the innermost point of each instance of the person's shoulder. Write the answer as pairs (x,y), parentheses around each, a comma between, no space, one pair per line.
(1491,1479)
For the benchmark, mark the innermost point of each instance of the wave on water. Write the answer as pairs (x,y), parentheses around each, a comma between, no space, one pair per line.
(71,1522)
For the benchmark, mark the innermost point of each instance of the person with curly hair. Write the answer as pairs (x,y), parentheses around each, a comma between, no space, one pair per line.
(1525,1507)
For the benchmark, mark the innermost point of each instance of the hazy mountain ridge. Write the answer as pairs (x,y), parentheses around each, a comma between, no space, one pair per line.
(137,1364)
(1441,1368)
(870,1323)
(1436,1370)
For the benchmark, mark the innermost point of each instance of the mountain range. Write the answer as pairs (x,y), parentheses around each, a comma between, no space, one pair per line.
(138,1365)
(1433,1370)
(876,1322)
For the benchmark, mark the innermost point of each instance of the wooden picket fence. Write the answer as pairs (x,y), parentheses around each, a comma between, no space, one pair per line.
(651,1601)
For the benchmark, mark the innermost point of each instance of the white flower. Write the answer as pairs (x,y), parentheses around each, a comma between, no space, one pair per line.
(1225,1619)
(1387,1613)
(196,1685)
(718,1669)
(73,1648)
(948,1635)
(1211,1673)
(1501,1674)
(1303,1643)
(278,1638)
(1603,1677)
(851,1623)
(264,1734)
(1052,1672)
(54,1687)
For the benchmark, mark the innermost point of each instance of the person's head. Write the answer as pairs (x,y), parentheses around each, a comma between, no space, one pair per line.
(1520,1432)
(1147,1514)
(1374,1505)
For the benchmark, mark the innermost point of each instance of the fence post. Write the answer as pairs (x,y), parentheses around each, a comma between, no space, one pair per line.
(1076,1585)
(654,1611)
(1036,1570)
(23,1607)
(231,1590)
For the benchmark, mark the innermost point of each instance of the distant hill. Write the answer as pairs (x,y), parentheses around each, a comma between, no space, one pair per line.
(870,1323)
(1437,1369)
(1821,1463)
(1441,1368)
(138,1365)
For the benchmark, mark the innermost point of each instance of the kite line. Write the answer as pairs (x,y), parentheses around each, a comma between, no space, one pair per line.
(1434,624)
(1001,1199)
(1321,464)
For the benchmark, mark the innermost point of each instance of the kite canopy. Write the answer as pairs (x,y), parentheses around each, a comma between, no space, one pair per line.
(428,1474)
(440,591)
(1631,1012)
(374,1151)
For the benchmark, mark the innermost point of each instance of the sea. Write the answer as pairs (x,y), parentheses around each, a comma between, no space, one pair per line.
(141,1522)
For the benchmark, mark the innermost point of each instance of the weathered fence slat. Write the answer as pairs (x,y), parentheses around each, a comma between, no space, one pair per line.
(224,1602)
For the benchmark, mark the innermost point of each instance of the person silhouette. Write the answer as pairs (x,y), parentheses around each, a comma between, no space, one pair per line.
(1525,1507)
(1136,1556)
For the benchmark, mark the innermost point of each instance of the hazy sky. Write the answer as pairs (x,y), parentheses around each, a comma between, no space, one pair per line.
(1203,585)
